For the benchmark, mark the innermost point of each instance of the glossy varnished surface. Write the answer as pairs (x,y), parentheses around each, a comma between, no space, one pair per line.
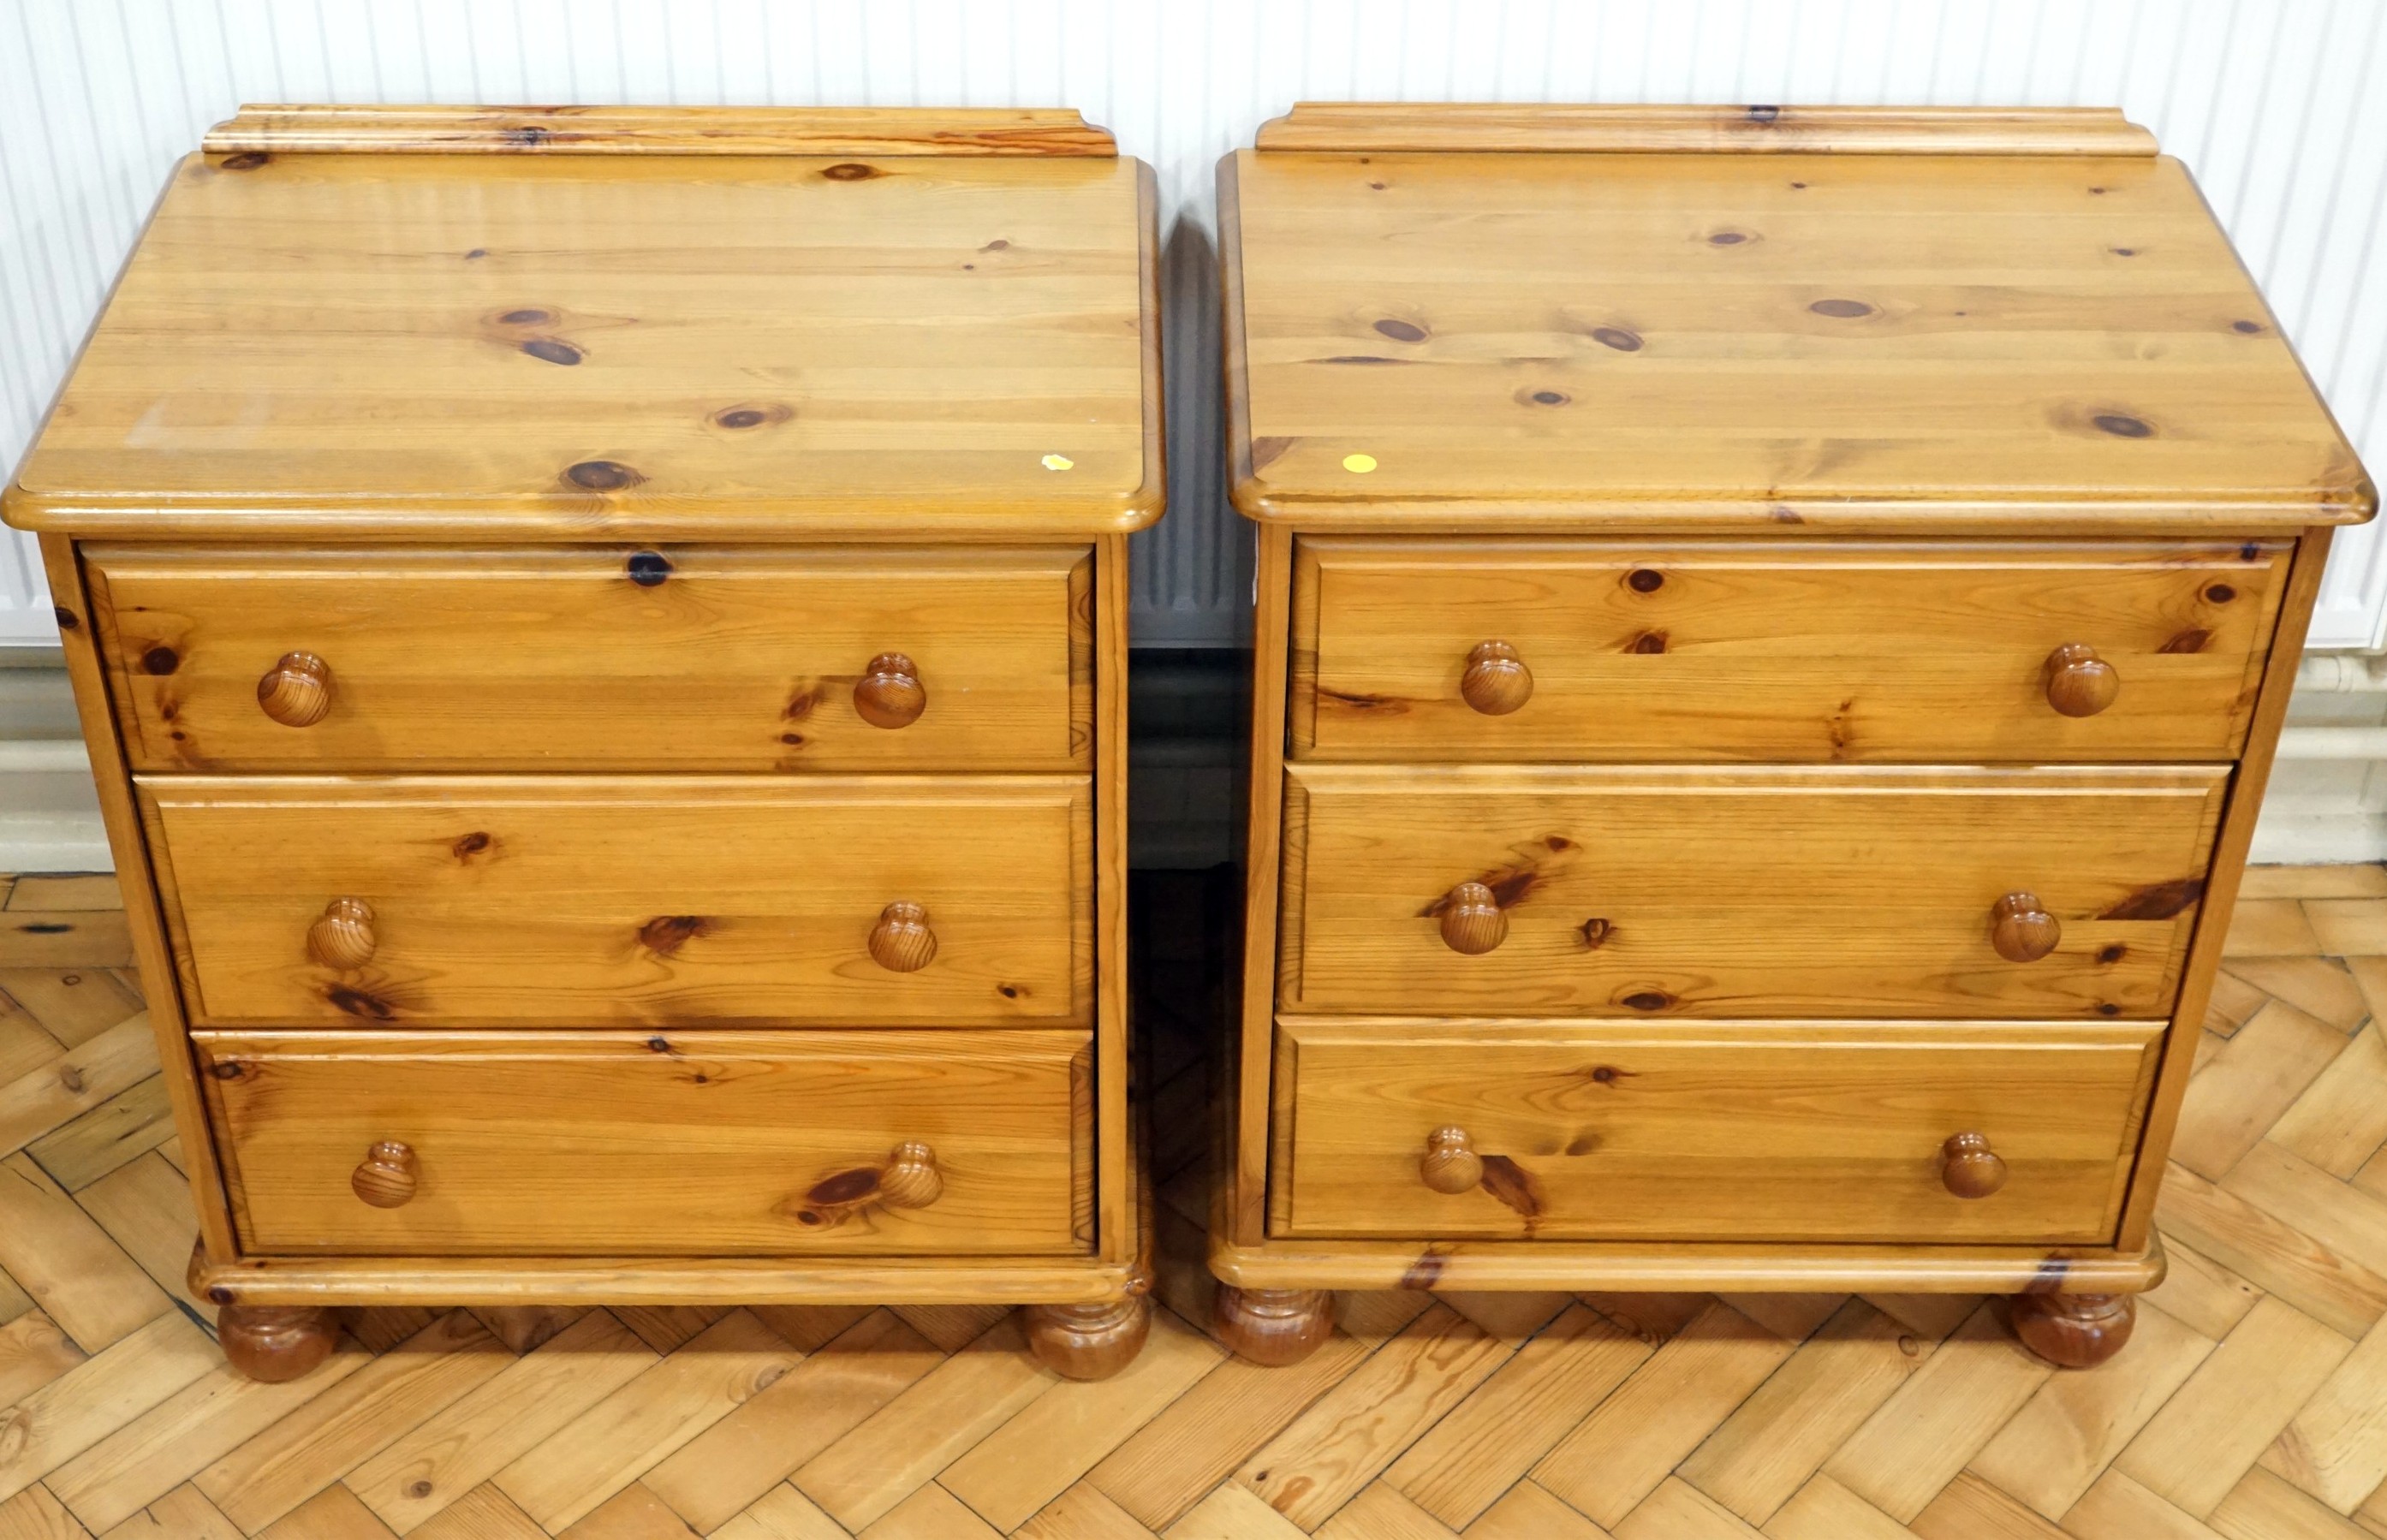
(577,343)
(602,658)
(1758,339)
(1748,1132)
(507,899)
(1748,893)
(698,1144)
(1640,127)
(454,130)
(1785,651)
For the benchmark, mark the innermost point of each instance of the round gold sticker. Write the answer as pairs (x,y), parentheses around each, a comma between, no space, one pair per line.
(1361,464)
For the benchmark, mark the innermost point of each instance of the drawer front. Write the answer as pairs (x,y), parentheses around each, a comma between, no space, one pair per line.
(1770,1132)
(1760,892)
(1605,650)
(746,659)
(614,1143)
(623,901)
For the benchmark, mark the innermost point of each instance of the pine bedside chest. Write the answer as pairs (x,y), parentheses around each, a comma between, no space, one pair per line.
(1772,628)
(603,635)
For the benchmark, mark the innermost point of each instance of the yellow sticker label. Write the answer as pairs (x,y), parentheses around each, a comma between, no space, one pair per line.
(1058,462)
(1362,464)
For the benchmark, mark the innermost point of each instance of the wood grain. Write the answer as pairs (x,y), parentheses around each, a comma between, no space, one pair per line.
(2231,842)
(682,1144)
(279,129)
(683,658)
(542,366)
(1783,650)
(1992,1445)
(1634,128)
(1652,891)
(1750,1132)
(502,900)
(826,482)
(1788,344)
(1245,1195)
(128,850)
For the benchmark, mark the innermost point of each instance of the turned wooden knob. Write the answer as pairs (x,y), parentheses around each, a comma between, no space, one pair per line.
(2079,683)
(910,1179)
(1497,681)
(1451,1164)
(901,942)
(2021,929)
(296,691)
(386,1176)
(1968,1168)
(343,937)
(891,694)
(1471,921)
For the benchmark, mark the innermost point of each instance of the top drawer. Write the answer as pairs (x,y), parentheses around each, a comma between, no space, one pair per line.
(694,659)
(1776,650)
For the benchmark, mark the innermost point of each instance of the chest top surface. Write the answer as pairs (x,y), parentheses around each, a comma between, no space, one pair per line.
(1446,317)
(636,328)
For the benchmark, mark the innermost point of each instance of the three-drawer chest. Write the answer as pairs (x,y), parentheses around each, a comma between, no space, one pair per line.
(601,633)
(1772,627)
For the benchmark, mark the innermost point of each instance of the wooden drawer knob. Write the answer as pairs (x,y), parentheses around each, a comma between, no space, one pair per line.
(1451,1164)
(296,691)
(1968,1168)
(1497,681)
(891,694)
(2079,683)
(1471,920)
(910,1179)
(343,937)
(901,942)
(385,1177)
(2022,929)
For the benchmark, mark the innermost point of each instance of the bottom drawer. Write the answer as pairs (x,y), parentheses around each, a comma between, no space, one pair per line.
(620,1144)
(1812,1131)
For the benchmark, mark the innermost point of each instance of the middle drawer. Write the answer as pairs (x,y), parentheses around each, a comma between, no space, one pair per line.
(1784,891)
(584,901)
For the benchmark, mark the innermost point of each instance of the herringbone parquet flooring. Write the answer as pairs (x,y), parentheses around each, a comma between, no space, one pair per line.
(2253,1404)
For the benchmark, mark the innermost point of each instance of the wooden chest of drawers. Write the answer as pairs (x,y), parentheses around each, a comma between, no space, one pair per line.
(1771,630)
(603,634)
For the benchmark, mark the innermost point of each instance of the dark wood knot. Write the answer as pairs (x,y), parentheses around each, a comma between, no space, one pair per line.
(752,414)
(602,475)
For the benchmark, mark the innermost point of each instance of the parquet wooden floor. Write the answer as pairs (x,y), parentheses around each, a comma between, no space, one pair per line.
(2253,1404)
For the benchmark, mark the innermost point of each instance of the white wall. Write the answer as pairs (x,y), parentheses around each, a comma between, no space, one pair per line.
(2274,103)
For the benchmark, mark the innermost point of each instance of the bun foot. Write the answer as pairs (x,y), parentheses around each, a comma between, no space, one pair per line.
(2074,1331)
(1273,1327)
(275,1343)
(1094,1341)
